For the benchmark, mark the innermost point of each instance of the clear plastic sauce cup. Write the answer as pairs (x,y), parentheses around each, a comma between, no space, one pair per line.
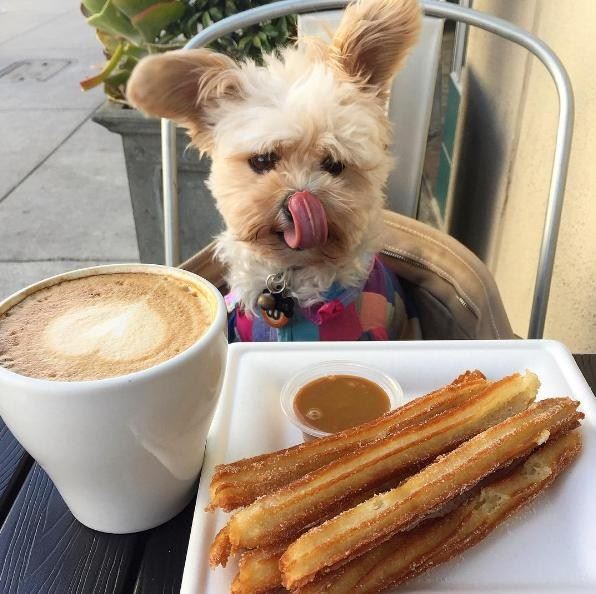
(291,388)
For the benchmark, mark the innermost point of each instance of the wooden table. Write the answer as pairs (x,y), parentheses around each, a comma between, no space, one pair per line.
(43,549)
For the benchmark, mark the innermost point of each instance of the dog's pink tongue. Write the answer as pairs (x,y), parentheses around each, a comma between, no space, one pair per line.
(310,222)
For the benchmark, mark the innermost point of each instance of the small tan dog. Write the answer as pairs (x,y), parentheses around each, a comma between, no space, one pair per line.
(300,159)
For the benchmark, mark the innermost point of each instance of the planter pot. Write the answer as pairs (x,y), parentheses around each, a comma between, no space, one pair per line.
(141,138)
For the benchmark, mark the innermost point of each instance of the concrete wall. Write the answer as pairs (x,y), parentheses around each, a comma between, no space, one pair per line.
(505,145)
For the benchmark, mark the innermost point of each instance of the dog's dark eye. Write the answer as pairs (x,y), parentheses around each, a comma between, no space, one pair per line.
(263,163)
(331,166)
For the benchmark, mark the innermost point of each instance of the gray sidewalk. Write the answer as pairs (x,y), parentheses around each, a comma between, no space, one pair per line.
(64,200)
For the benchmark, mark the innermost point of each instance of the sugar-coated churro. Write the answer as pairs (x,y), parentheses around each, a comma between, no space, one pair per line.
(409,554)
(283,514)
(258,569)
(220,549)
(367,525)
(240,483)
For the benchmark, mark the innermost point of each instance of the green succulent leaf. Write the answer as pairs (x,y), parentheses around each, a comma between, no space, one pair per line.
(131,8)
(109,66)
(206,20)
(110,42)
(94,6)
(110,20)
(215,13)
(120,77)
(244,42)
(155,18)
(190,26)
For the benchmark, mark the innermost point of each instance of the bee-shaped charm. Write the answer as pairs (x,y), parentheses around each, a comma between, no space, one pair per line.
(276,309)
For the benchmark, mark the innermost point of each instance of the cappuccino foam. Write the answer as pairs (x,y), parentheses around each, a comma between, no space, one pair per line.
(103,326)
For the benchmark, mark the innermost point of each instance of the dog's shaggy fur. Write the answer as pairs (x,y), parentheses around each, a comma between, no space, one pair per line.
(309,103)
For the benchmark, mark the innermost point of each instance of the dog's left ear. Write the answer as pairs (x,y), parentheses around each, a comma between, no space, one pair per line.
(184,86)
(373,39)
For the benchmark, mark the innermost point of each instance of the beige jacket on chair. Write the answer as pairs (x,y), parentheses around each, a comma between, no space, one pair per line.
(454,293)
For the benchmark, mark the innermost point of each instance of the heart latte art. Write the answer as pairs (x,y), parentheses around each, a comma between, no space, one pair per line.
(115,332)
(103,326)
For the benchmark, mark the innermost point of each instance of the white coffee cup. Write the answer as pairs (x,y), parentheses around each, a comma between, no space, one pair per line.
(124,452)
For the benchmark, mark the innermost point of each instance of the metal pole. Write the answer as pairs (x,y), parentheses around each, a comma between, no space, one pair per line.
(171,226)
(437,9)
(459,45)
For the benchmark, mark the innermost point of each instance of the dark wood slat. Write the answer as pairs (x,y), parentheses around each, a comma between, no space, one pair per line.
(164,555)
(11,453)
(587,364)
(43,549)
(14,464)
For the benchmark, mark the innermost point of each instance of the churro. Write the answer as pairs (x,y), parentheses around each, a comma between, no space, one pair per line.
(221,548)
(239,483)
(283,514)
(258,569)
(409,554)
(369,524)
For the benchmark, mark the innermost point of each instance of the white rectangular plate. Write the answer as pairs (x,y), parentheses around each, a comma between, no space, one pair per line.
(550,547)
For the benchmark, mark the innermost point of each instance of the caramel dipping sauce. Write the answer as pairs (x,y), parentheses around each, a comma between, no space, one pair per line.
(337,402)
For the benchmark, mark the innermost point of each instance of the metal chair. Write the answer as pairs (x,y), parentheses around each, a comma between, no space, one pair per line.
(439,10)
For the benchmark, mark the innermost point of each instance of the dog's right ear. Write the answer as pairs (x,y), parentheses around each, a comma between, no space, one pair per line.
(373,39)
(183,86)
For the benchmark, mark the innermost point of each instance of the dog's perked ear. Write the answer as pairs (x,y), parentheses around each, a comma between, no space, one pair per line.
(182,86)
(373,39)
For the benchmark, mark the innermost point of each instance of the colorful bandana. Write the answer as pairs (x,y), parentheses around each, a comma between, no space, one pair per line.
(379,310)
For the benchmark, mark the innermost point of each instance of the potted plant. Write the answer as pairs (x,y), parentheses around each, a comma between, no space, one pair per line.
(129,30)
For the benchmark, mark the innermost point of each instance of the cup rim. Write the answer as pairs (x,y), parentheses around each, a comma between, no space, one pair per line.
(219,321)
(389,385)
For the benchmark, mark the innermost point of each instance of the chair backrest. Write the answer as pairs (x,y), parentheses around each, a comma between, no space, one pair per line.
(410,105)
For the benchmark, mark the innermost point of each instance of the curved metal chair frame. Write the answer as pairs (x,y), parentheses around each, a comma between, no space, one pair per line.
(433,8)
